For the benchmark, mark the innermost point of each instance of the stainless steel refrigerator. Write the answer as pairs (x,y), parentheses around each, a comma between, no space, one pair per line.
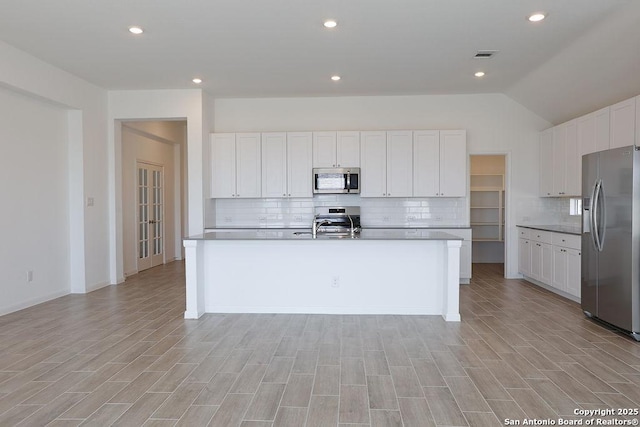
(610,260)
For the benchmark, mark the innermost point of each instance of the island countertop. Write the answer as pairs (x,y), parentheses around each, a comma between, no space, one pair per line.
(304,234)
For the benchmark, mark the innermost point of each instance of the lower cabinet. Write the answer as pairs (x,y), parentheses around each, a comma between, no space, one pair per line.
(550,258)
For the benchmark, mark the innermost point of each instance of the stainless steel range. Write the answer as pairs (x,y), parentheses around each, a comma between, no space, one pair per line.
(336,221)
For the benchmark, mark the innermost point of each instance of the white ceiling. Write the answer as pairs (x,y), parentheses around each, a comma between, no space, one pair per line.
(279,48)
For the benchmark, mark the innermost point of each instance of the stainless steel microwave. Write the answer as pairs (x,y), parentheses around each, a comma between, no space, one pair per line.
(336,180)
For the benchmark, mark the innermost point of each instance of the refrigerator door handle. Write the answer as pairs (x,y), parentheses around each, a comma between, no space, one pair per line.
(592,216)
(596,215)
(603,231)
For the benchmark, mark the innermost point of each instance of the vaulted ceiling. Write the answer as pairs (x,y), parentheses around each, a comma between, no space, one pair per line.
(584,55)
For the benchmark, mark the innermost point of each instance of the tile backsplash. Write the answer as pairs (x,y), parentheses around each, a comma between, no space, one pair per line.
(546,210)
(375,212)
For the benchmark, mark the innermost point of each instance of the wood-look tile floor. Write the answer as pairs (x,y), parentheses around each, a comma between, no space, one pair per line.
(124,356)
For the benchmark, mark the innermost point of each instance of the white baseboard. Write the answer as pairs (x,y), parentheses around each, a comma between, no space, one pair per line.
(97,286)
(31,302)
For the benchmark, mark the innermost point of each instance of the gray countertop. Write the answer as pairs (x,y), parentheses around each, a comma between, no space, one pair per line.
(566,229)
(305,234)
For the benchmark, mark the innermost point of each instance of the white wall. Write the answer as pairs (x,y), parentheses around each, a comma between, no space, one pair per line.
(84,107)
(495,124)
(155,105)
(34,216)
(147,147)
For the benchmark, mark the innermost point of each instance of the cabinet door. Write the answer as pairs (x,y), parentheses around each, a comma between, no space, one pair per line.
(453,163)
(623,123)
(524,257)
(274,164)
(559,159)
(426,163)
(586,128)
(324,149)
(573,161)
(559,268)
(536,260)
(573,272)
(299,164)
(602,132)
(546,163)
(248,168)
(373,163)
(399,164)
(223,165)
(348,149)
(546,271)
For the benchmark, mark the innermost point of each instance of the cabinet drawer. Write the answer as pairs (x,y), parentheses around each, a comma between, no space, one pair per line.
(524,233)
(541,236)
(567,240)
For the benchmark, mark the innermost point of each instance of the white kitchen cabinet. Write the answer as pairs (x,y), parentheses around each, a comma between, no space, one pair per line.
(546,163)
(552,259)
(386,167)
(622,124)
(336,149)
(440,163)
(541,256)
(524,256)
(373,163)
(399,164)
(286,164)
(299,164)
(565,160)
(566,174)
(235,165)
(593,132)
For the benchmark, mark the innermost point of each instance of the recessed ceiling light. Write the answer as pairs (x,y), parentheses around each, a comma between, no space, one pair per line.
(479,74)
(136,30)
(330,23)
(197,80)
(335,78)
(536,17)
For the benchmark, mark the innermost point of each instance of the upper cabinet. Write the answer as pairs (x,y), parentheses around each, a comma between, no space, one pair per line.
(593,131)
(286,164)
(623,123)
(384,159)
(546,163)
(235,165)
(440,163)
(336,149)
(560,163)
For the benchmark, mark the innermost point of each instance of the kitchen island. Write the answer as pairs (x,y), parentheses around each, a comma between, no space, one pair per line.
(380,271)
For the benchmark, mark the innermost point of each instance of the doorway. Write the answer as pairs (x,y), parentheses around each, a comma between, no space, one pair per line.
(487,208)
(153,184)
(150,215)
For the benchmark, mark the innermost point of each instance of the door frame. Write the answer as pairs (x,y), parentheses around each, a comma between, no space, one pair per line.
(507,204)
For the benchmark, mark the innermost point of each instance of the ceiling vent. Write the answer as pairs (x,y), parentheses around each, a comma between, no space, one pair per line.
(484,54)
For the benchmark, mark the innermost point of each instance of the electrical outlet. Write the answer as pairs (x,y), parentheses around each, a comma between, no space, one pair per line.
(385,219)
(29,275)
(90,201)
(297,218)
(262,218)
(526,219)
(335,282)
(438,218)
(228,219)
(411,218)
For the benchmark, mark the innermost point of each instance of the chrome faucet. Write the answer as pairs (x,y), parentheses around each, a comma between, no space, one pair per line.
(316,225)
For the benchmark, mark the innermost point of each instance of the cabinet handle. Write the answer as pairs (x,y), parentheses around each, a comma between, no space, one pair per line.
(289,195)
(285,194)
